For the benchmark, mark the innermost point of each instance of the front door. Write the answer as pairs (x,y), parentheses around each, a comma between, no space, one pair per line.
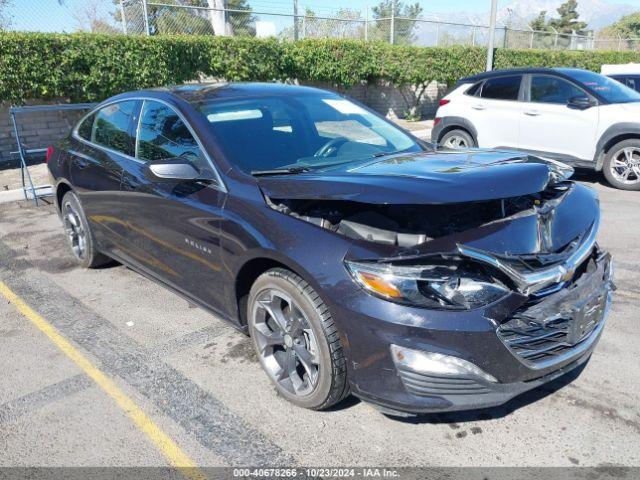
(174,224)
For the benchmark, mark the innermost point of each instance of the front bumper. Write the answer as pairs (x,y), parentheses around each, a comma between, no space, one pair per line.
(562,330)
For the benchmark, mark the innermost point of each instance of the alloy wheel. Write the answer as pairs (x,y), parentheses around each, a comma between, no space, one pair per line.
(74,230)
(625,165)
(456,141)
(285,341)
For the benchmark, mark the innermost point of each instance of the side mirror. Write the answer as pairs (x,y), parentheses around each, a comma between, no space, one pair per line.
(580,102)
(174,169)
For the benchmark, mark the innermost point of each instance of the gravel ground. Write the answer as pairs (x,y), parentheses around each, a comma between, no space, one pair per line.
(199,381)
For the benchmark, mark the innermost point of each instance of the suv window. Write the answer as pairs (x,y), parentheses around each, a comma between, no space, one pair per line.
(631,81)
(548,89)
(162,135)
(502,88)
(111,127)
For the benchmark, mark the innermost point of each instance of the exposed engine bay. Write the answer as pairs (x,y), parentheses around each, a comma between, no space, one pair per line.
(410,225)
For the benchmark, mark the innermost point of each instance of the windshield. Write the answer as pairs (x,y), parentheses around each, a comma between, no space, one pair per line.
(611,90)
(304,131)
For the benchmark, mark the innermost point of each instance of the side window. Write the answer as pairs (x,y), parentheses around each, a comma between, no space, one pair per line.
(474,91)
(502,88)
(86,127)
(546,89)
(162,135)
(111,127)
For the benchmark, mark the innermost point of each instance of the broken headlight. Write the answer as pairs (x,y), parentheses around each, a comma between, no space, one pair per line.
(446,285)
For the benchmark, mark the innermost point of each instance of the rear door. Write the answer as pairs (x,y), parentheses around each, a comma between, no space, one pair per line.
(100,145)
(495,111)
(548,125)
(173,225)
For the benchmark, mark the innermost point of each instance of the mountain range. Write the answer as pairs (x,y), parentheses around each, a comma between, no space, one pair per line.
(518,13)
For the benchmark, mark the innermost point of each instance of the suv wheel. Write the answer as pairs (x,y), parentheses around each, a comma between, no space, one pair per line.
(296,341)
(79,234)
(622,165)
(457,139)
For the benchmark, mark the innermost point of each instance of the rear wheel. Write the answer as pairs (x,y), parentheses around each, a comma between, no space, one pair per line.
(622,165)
(458,139)
(79,236)
(296,340)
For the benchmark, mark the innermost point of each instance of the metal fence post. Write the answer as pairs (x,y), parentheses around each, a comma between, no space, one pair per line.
(123,20)
(295,19)
(437,34)
(473,36)
(145,13)
(366,21)
(392,28)
(505,41)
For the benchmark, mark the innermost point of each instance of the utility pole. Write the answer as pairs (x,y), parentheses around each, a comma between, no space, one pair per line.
(492,34)
(123,20)
(392,29)
(295,20)
(145,12)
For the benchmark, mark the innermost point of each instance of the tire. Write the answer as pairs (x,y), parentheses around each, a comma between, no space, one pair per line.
(280,299)
(457,139)
(79,236)
(623,157)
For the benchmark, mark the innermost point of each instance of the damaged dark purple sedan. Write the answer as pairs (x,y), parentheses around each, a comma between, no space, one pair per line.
(359,259)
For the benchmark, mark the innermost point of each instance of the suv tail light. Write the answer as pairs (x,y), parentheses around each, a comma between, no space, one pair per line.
(48,154)
(443,102)
(436,121)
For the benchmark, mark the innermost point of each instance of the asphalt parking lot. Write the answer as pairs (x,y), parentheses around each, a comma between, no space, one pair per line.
(195,379)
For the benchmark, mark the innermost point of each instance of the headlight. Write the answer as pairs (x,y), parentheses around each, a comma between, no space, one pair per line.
(444,285)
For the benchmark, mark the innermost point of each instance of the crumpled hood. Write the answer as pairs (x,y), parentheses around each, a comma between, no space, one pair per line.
(421,178)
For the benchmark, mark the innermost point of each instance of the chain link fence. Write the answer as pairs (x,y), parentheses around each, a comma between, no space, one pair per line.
(274,19)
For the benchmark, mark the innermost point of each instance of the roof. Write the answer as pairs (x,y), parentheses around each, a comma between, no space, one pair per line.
(498,73)
(198,92)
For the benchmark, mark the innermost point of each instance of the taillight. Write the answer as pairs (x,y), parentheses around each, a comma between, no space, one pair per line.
(436,121)
(48,154)
(443,102)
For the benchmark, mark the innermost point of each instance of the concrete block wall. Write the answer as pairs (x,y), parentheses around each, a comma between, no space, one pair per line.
(37,130)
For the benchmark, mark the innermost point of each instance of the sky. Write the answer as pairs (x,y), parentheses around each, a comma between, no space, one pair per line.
(48,15)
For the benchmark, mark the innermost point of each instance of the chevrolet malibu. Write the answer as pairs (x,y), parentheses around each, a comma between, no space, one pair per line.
(358,258)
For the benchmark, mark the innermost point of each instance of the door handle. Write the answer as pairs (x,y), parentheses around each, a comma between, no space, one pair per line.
(532,113)
(478,107)
(81,163)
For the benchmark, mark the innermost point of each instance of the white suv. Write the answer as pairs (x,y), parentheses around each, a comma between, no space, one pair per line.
(575,116)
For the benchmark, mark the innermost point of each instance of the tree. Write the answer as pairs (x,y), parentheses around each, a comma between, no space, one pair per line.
(91,18)
(345,23)
(175,17)
(568,21)
(404,20)
(627,27)
(540,24)
(5,19)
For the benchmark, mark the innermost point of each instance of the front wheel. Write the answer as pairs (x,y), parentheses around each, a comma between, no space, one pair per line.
(622,165)
(296,340)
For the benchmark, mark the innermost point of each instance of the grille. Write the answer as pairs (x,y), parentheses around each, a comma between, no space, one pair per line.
(536,341)
(429,385)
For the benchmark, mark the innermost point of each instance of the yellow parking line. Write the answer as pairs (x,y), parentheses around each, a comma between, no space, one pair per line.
(162,441)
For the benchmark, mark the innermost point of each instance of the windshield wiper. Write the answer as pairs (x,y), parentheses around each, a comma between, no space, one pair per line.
(280,171)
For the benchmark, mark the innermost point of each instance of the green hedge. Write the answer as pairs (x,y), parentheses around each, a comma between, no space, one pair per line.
(88,67)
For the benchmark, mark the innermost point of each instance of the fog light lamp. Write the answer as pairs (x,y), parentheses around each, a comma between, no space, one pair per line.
(436,363)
